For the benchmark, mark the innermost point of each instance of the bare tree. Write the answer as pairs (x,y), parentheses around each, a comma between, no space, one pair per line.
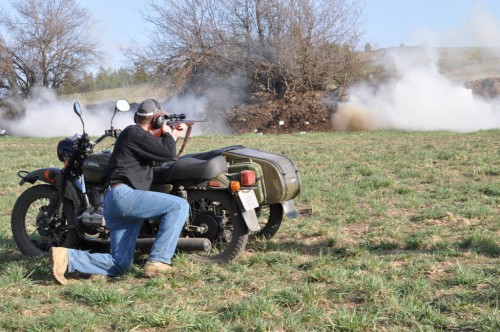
(45,43)
(279,45)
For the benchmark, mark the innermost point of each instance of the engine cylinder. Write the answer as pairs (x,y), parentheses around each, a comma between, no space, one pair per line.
(92,217)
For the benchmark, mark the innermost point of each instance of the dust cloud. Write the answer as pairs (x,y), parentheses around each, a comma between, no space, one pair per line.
(417,98)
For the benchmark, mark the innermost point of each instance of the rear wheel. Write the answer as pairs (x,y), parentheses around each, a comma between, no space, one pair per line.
(33,231)
(270,218)
(217,218)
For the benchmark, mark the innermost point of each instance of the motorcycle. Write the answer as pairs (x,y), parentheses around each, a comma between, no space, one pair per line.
(225,190)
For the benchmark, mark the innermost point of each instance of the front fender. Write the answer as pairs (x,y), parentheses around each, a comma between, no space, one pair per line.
(52,176)
(48,175)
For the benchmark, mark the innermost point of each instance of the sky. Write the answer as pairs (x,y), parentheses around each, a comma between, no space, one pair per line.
(387,23)
(454,23)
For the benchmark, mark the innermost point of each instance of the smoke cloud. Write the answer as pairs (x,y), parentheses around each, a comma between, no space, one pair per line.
(417,98)
(46,115)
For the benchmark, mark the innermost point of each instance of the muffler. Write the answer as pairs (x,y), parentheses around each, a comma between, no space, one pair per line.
(194,244)
(184,244)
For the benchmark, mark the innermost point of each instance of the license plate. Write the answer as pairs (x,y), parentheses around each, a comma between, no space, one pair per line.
(248,199)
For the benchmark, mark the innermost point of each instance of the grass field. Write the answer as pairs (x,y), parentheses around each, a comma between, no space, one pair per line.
(397,231)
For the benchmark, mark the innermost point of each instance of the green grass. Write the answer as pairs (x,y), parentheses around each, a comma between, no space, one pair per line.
(397,231)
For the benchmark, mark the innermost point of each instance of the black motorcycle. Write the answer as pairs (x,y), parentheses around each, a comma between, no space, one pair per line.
(66,208)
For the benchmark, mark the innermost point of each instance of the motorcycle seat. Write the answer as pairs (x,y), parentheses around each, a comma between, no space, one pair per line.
(189,169)
(212,153)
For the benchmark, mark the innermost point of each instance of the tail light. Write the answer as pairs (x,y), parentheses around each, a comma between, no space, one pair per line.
(214,184)
(247,178)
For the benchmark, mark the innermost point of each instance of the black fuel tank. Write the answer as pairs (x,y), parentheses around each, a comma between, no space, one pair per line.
(94,166)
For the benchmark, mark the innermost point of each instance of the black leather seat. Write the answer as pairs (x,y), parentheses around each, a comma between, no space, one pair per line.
(189,168)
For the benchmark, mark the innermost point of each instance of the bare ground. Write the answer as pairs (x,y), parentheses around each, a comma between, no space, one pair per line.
(267,114)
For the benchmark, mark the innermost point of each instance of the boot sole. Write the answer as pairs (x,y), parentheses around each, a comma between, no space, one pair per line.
(61,280)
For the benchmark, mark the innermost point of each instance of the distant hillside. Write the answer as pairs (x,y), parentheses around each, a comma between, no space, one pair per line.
(133,94)
(469,64)
(458,64)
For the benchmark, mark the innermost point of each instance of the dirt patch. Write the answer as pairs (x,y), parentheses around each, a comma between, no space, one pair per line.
(488,88)
(266,114)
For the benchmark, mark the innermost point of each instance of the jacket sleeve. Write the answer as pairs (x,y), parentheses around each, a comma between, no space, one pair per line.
(157,148)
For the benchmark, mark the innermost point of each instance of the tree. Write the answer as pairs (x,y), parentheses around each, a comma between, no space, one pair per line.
(278,45)
(45,43)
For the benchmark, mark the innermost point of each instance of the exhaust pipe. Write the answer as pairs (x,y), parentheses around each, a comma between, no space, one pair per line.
(184,244)
(194,244)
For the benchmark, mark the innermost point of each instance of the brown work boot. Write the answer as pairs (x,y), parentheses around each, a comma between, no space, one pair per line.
(153,269)
(59,264)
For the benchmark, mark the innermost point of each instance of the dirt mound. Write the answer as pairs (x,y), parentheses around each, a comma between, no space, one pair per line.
(487,88)
(299,112)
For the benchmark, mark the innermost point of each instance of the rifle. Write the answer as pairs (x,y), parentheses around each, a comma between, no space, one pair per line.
(173,120)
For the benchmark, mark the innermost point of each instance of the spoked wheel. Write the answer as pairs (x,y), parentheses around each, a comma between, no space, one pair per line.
(216,217)
(270,218)
(33,231)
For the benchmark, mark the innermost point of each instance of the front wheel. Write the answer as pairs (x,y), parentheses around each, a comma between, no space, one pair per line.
(33,231)
(214,215)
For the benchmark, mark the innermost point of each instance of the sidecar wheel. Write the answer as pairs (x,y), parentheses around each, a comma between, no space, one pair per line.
(270,218)
(216,212)
(35,235)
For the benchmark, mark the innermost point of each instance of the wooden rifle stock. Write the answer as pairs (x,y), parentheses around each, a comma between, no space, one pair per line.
(186,138)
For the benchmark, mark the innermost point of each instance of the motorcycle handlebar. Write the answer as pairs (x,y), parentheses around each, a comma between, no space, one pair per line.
(108,133)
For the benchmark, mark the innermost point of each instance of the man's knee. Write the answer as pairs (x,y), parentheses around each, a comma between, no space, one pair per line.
(123,264)
(184,205)
(181,204)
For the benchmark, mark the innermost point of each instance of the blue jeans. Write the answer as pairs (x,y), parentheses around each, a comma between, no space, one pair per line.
(124,210)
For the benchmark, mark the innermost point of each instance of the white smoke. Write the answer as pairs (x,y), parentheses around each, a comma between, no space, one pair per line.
(46,115)
(194,108)
(418,98)
(481,30)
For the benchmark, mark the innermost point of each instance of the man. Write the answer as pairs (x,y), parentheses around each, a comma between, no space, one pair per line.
(127,202)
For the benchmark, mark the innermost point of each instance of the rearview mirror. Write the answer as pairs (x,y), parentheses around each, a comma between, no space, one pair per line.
(122,105)
(77,108)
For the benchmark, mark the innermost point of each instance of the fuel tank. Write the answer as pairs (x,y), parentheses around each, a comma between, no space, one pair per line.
(94,166)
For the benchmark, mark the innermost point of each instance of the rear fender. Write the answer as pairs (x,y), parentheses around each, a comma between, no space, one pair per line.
(251,220)
(247,202)
(289,209)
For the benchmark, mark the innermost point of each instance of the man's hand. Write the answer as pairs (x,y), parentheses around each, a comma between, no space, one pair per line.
(176,132)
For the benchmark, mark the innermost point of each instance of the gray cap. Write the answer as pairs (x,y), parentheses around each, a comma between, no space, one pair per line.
(148,107)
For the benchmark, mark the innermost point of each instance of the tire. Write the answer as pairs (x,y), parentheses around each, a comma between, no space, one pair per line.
(225,228)
(270,218)
(28,219)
